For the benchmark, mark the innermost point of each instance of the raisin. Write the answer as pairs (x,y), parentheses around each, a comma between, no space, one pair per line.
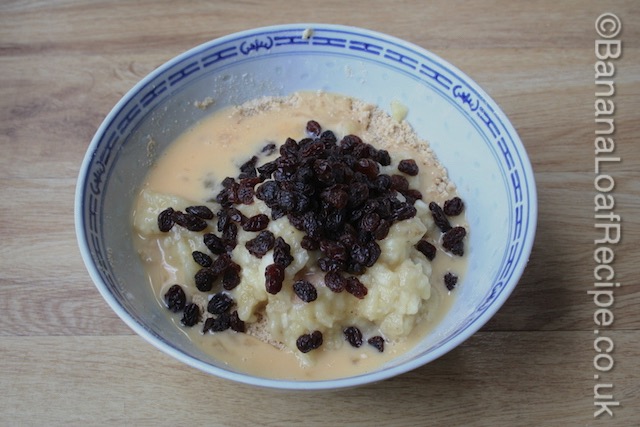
(313,128)
(268,192)
(452,240)
(385,207)
(368,167)
(225,196)
(328,136)
(361,150)
(204,279)
(303,175)
(377,342)
(335,282)
(411,195)
(322,170)
(370,222)
(453,207)
(348,237)
(439,218)
(305,290)
(309,243)
(256,223)
(221,264)
(355,287)
(383,230)
(208,323)
(457,248)
(358,194)
(405,211)
(289,148)
(214,244)
(304,143)
(334,221)
(200,211)
(313,149)
(267,170)
(383,157)
(282,252)
(399,183)
(328,264)
(333,250)
(202,259)
(359,253)
(235,323)
(409,167)
(219,303)
(296,220)
(372,205)
(268,149)
(231,276)
(236,216)
(308,342)
(245,194)
(427,249)
(286,201)
(190,315)
(228,182)
(311,225)
(450,281)
(250,182)
(277,213)
(374,253)
(274,276)
(261,244)
(355,268)
(221,323)
(223,220)
(382,182)
(175,298)
(248,168)
(189,221)
(349,141)
(335,196)
(165,220)
(353,336)
(230,237)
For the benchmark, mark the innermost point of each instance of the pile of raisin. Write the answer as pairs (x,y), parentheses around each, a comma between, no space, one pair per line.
(332,191)
(193,219)
(176,300)
(452,237)
(353,335)
(308,342)
(223,318)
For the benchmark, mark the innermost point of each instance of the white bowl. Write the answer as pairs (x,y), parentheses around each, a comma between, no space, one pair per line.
(467,130)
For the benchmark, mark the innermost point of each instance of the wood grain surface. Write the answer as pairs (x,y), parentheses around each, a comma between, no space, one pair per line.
(67,359)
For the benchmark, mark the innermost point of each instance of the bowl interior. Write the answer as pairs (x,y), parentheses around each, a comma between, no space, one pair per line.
(466,129)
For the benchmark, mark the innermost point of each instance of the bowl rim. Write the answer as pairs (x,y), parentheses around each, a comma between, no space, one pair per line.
(282,384)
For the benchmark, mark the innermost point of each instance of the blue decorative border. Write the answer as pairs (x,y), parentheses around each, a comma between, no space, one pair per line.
(444,80)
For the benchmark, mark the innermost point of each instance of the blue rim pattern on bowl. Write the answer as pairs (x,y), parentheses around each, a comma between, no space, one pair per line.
(421,65)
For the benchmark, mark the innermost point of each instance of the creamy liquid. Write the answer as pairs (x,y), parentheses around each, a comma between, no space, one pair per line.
(247,354)
(194,165)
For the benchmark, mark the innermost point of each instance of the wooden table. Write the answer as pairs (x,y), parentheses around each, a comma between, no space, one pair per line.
(66,359)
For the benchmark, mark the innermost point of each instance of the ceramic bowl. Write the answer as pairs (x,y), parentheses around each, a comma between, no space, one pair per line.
(467,130)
